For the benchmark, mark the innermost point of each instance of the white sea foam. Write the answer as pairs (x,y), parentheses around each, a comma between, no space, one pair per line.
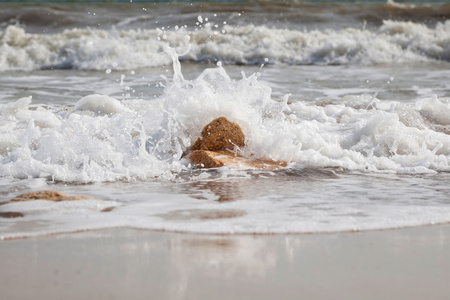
(91,49)
(103,139)
(100,104)
(350,203)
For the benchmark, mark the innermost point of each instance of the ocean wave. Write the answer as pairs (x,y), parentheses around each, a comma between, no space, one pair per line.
(101,138)
(94,49)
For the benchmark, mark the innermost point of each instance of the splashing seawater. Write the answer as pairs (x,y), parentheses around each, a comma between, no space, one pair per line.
(359,133)
(178,77)
(104,139)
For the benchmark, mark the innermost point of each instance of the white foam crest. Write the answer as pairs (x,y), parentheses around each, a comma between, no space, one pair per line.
(100,104)
(435,110)
(392,136)
(378,139)
(100,140)
(393,42)
(190,105)
(83,49)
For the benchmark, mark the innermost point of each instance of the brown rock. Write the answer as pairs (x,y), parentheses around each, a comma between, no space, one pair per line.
(206,159)
(220,134)
(47,195)
(203,214)
(215,159)
(107,209)
(11,214)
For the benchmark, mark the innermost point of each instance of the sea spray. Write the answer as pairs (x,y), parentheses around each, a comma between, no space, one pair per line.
(190,105)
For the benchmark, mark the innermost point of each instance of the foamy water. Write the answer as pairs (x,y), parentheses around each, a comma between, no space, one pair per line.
(94,49)
(367,141)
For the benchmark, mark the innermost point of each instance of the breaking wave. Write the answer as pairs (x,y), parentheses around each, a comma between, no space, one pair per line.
(103,139)
(95,49)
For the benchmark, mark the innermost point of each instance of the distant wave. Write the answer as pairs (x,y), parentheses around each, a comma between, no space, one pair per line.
(90,49)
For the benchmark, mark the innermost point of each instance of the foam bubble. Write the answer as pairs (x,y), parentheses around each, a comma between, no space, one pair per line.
(100,104)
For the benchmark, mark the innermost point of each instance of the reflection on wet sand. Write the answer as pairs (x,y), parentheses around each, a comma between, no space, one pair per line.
(202,214)
(225,257)
(189,260)
(22,224)
(140,264)
(255,184)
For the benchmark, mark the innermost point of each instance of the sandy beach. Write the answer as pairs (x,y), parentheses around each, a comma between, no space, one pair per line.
(412,263)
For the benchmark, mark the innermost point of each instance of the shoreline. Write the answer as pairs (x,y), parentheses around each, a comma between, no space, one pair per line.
(193,233)
(408,263)
(126,228)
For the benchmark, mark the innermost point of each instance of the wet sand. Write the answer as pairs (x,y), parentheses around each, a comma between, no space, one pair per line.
(411,263)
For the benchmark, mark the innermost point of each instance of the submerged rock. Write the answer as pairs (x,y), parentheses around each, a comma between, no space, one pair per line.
(214,149)
(215,159)
(47,195)
(207,159)
(11,214)
(203,214)
(39,195)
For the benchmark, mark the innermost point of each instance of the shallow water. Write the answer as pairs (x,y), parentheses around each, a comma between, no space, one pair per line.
(359,109)
(245,202)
